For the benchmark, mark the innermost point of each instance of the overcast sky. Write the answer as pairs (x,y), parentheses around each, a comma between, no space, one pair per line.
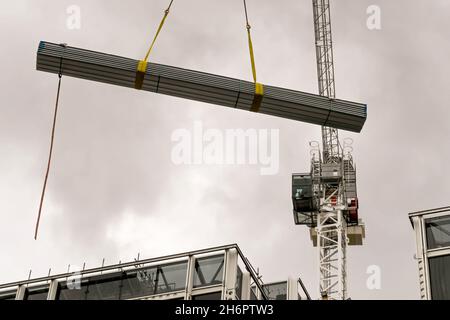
(113,190)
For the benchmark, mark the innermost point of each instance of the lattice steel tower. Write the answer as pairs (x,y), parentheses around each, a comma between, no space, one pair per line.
(325,199)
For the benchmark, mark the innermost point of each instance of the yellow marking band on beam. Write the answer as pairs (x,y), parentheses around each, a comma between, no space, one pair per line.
(140,74)
(142,66)
(258,97)
(259,89)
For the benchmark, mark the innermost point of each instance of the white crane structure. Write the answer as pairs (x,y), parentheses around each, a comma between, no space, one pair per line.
(325,199)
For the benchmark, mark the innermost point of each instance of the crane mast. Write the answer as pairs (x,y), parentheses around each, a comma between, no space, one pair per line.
(325,72)
(331,225)
(325,199)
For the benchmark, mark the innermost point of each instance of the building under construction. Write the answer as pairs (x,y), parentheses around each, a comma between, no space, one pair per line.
(221,273)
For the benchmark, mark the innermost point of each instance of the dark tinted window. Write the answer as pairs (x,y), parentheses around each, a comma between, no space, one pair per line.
(438,232)
(36,294)
(10,295)
(276,291)
(440,277)
(208,296)
(208,271)
(253,294)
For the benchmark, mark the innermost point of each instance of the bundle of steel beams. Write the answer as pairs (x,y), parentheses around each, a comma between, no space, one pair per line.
(200,86)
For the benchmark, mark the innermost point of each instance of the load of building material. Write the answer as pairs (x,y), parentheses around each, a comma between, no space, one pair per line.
(200,86)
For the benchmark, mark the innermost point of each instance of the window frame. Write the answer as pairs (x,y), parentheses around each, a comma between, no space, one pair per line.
(205,292)
(30,289)
(277,283)
(194,271)
(8,293)
(427,221)
(430,274)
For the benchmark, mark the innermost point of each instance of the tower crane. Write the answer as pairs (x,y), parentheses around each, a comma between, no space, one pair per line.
(325,199)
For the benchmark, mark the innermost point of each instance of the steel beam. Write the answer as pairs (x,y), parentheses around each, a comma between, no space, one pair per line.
(200,86)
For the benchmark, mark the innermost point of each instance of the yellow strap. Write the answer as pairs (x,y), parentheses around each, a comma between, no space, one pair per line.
(252,56)
(166,13)
(141,68)
(259,88)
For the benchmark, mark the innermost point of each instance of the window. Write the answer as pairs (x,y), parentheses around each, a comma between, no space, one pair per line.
(9,295)
(208,271)
(276,291)
(164,279)
(208,296)
(36,294)
(107,287)
(440,277)
(253,294)
(128,285)
(438,232)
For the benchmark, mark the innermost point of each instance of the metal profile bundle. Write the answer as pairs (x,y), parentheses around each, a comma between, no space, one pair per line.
(200,86)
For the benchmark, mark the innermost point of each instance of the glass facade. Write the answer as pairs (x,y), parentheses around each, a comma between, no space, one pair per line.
(192,275)
(276,291)
(432,228)
(438,232)
(208,271)
(440,277)
(108,287)
(438,237)
(164,279)
(127,285)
